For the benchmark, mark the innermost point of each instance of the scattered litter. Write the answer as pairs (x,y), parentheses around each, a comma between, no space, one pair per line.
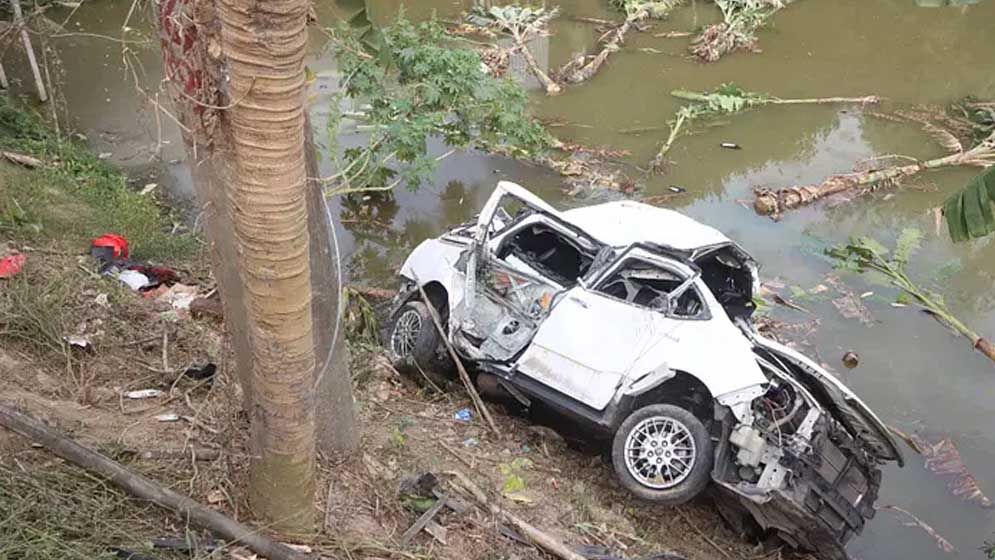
(169,417)
(12,264)
(851,360)
(105,155)
(850,307)
(299,547)
(134,279)
(180,296)
(471,442)
(818,289)
(101,300)
(941,543)
(943,459)
(896,304)
(149,188)
(215,497)
(144,394)
(676,189)
(866,295)
(198,373)
(731,146)
(77,342)
(463,415)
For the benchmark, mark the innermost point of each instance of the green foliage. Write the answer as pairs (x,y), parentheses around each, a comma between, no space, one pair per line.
(417,87)
(969,212)
(655,8)
(726,99)
(866,255)
(74,196)
(515,19)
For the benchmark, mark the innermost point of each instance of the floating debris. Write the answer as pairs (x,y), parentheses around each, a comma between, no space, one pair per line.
(944,459)
(851,360)
(740,20)
(941,542)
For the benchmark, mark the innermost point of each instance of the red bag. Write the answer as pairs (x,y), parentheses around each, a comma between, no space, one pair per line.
(117,244)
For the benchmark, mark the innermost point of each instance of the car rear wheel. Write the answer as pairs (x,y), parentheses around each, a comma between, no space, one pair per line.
(662,453)
(413,339)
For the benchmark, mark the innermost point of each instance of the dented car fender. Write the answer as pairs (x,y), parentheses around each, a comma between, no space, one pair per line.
(434,260)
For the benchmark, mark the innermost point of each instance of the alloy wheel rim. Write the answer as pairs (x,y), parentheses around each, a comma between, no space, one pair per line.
(406,330)
(660,452)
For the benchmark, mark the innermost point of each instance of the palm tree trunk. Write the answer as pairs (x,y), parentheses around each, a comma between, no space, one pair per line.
(235,71)
(263,44)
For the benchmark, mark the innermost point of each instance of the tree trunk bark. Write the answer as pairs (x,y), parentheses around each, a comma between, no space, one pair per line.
(335,418)
(235,69)
(263,45)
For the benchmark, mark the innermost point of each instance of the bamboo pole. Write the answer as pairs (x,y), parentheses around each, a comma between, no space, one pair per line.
(19,22)
(142,487)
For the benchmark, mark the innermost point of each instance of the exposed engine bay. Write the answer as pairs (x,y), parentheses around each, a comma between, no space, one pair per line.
(795,469)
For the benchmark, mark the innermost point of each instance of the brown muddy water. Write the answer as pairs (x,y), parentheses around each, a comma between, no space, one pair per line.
(913,372)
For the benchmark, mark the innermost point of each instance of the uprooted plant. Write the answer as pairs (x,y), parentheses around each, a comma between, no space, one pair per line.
(969,124)
(729,99)
(415,87)
(864,254)
(522,24)
(737,30)
(583,67)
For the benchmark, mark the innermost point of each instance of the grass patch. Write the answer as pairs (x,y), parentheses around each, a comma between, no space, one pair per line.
(61,513)
(75,196)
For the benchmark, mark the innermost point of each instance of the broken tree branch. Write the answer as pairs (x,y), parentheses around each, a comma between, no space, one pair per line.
(142,487)
(19,22)
(478,403)
(772,203)
(584,67)
(547,542)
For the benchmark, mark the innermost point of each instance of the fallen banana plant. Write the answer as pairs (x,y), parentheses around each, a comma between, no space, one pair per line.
(944,459)
(736,31)
(865,254)
(584,67)
(982,154)
(522,24)
(728,99)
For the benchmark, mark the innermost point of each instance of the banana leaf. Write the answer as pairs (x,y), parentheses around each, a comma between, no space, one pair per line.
(969,212)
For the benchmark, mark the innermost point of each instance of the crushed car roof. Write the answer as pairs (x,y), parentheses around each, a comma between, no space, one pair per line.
(624,222)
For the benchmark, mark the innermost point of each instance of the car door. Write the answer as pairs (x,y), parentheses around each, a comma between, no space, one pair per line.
(596,336)
(513,271)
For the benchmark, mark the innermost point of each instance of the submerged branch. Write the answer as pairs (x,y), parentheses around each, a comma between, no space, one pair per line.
(772,203)
(584,67)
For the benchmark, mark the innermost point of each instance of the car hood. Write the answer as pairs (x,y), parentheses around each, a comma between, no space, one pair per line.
(844,405)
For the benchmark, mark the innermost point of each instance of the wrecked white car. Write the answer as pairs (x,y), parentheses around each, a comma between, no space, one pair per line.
(634,322)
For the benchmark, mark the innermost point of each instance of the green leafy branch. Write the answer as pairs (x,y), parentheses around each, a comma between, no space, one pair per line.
(865,254)
(729,99)
(416,86)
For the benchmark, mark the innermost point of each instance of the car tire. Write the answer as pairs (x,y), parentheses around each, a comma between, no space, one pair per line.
(662,453)
(412,339)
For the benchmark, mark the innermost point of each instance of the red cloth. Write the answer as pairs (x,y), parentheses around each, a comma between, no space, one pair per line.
(118,244)
(11,265)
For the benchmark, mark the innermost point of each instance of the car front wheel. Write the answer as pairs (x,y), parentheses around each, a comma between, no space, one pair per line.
(413,338)
(662,453)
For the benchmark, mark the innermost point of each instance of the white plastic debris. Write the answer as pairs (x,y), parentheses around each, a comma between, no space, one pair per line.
(180,295)
(134,279)
(77,342)
(144,394)
(101,300)
(168,417)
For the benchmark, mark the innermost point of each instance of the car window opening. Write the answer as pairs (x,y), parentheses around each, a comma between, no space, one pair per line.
(549,253)
(729,280)
(647,285)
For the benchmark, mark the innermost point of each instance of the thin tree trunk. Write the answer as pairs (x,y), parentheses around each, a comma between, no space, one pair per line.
(264,46)
(587,71)
(335,416)
(4,84)
(19,22)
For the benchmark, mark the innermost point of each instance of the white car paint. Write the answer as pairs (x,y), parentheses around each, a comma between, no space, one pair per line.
(622,223)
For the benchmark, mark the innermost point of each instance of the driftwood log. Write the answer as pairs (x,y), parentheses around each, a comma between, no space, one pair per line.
(142,487)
